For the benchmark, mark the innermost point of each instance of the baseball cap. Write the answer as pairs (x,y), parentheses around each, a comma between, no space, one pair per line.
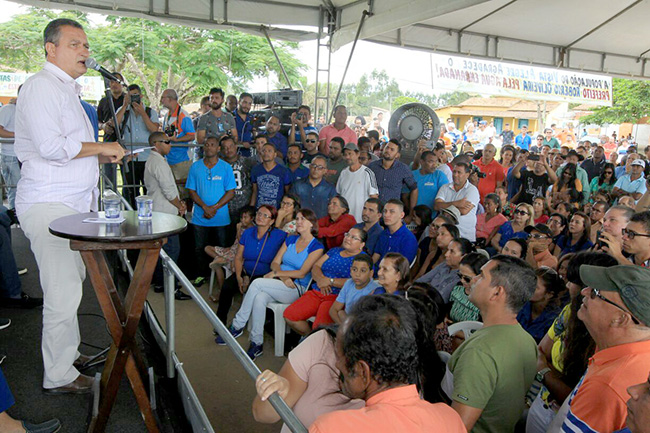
(630,282)
(639,162)
(542,228)
(453,212)
(351,146)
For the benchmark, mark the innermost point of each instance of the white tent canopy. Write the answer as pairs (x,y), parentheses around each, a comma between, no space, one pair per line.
(602,36)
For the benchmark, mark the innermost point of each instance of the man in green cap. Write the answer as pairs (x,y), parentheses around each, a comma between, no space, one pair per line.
(616,312)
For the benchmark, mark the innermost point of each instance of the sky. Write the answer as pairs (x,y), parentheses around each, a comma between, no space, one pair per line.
(405,66)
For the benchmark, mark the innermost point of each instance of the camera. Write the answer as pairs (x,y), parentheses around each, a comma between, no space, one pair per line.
(136,99)
(170,130)
(533,157)
(478,172)
(299,116)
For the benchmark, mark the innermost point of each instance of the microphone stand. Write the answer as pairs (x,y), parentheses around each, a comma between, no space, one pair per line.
(116,127)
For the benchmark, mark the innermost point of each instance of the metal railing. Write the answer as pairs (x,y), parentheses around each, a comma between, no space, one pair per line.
(173,272)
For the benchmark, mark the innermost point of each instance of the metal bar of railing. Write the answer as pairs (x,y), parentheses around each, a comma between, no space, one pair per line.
(172,271)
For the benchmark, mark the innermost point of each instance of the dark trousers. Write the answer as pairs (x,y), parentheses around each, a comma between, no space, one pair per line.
(173,250)
(228,291)
(135,176)
(204,236)
(10,286)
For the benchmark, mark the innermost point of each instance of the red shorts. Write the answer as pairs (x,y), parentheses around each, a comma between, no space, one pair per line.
(312,303)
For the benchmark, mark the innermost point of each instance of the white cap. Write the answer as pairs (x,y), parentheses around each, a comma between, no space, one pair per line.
(639,162)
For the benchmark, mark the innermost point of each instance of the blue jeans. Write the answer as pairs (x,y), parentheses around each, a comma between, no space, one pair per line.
(10,286)
(204,236)
(10,169)
(173,250)
(6,397)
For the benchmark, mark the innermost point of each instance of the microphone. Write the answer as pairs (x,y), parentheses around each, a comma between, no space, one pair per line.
(92,64)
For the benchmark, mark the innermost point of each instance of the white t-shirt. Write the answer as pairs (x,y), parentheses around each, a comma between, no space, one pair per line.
(356,187)
(7,121)
(466,223)
(447,171)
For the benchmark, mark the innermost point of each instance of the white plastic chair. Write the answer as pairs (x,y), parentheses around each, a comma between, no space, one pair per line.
(468,327)
(279,324)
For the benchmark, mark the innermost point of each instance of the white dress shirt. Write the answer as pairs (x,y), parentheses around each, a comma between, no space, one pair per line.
(467,222)
(51,124)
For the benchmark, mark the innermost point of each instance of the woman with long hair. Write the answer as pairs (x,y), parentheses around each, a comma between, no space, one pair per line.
(422,218)
(578,237)
(605,181)
(565,350)
(540,210)
(515,228)
(445,234)
(462,308)
(568,187)
(508,157)
(538,314)
(393,273)
(444,277)
(286,220)
(488,223)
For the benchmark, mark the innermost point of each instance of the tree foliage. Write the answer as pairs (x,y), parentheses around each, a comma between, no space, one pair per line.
(630,102)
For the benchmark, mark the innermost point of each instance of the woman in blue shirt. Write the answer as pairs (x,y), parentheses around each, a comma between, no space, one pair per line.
(538,314)
(523,216)
(288,279)
(577,238)
(257,249)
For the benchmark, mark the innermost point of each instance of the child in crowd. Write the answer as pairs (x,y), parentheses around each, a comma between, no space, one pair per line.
(359,285)
(507,208)
(224,257)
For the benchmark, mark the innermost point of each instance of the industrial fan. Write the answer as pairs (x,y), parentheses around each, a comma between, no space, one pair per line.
(412,122)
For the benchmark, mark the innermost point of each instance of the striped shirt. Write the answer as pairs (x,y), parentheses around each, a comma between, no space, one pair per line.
(390,181)
(51,126)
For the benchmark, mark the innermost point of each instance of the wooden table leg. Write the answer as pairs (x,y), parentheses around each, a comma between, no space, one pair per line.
(122,320)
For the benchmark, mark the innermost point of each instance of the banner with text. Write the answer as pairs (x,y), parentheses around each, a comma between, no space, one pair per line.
(92,87)
(521,81)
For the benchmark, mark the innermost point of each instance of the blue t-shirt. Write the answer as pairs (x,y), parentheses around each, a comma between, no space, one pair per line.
(335,267)
(293,260)
(300,173)
(513,183)
(564,244)
(179,154)
(91,112)
(280,143)
(253,247)
(308,129)
(539,327)
(270,184)
(349,294)
(402,241)
(428,186)
(373,236)
(507,232)
(523,142)
(631,186)
(211,185)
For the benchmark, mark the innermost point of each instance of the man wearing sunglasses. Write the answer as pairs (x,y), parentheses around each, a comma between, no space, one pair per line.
(311,148)
(616,312)
(540,239)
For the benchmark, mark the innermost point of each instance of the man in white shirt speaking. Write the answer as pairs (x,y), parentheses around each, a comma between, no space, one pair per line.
(55,143)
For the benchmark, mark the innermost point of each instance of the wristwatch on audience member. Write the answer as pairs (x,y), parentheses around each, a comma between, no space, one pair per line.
(332,281)
(540,374)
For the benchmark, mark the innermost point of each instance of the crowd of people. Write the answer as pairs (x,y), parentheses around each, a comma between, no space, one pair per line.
(547,245)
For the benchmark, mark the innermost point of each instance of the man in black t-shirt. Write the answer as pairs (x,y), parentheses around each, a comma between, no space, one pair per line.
(534,183)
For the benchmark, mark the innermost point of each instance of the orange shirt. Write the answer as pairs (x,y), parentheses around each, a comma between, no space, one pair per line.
(545,258)
(394,410)
(493,174)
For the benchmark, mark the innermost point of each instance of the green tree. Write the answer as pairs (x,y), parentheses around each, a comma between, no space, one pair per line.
(630,102)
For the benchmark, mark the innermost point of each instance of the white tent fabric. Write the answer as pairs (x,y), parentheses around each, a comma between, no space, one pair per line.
(602,36)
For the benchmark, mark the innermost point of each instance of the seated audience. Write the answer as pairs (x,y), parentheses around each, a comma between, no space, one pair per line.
(515,247)
(494,369)
(444,277)
(540,210)
(488,223)
(370,216)
(359,285)
(333,227)
(605,181)
(615,220)
(384,351)
(329,274)
(633,183)
(538,314)
(462,308)
(396,237)
(257,249)
(577,237)
(523,217)
(638,408)
(558,224)
(636,241)
(464,196)
(596,215)
(422,218)
(537,248)
(565,350)
(616,311)
(356,182)
(432,250)
(567,187)
(507,207)
(314,191)
(429,179)
(270,179)
(286,220)
(288,278)
(393,273)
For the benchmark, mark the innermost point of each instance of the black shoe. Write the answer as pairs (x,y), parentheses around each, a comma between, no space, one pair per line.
(51,426)
(4,323)
(158,289)
(180,296)
(25,301)
(11,213)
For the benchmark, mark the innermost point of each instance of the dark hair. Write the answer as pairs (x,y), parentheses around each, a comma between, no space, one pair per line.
(52,32)
(553,285)
(310,216)
(426,153)
(296,203)
(607,195)
(430,309)
(245,95)
(562,219)
(217,90)
(373,134)
(374,200)
(385,332)
(446,217)
(578,344)
(396,202)
(226,137)
(258,136)
(363,140)
(601,178)
(306,107)
(495,199)
(250,210)
(338,140)
(402,266)
(205,100)
(134,87)
(363,257)
(364,234)
(270,208)
(425,214)
(517,278)
(396,143)
(571,183)
(466,246)
(343,202)
(568,206)
(522,243)
(586,233)
(474,261)
(642,218)
(295,145)
(155,136)
(511,149)
(452,229)
(465,165)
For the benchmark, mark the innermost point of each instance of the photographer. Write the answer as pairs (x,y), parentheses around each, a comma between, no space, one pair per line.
(300,126)
(533,183)
(137,122)
(493,174)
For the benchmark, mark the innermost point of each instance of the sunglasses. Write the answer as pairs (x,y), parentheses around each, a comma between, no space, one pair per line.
(521,212)
(537,236)
(310,141)
(595,293)
(631,235)
(162,141)
(465,278)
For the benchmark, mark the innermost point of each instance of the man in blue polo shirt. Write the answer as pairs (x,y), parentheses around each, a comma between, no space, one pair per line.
(370,215)
(429,179)
(633,184)
(211,184)
(396,238)
(314,191)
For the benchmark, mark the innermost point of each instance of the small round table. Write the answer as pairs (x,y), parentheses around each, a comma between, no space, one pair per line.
(91,240)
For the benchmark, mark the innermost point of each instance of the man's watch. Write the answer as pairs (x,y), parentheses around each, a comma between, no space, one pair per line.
(332,281)
(540,374)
